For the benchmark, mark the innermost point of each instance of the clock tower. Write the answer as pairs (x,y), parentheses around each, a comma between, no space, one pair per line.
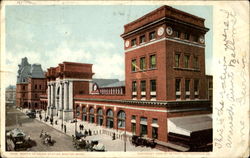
(165,56)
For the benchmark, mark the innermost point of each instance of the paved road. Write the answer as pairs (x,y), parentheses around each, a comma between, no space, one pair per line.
(33,128)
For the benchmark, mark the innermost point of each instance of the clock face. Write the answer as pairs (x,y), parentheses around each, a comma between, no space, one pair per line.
(201,39)
(126,43)
(169,31)
(160,31)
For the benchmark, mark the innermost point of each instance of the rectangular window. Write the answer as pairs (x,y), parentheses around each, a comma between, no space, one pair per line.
(155,121)
(143,125)
(143,63)
(196,85)
(143,86)
(133,117)
(133,128)
(177,60)
(133,42)
(155,132)
(134,86)
(133,65)
(177,85)
(187,89)
(177,34)
(23,94)
(187,84)
(40,86)
(153,85)
(186,36)
(196,62)
(186,61)
(152,61)
(35,86)
(23,87)
(152,35)
(142,39)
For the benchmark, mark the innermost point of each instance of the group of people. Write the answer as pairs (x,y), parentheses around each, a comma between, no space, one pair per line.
(81,127)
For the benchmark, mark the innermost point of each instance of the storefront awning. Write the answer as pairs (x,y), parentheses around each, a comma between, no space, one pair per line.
(187,124)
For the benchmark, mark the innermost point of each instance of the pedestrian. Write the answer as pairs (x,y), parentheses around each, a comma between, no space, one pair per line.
(61,126)
(80,127)
(90,133)
(86,132)
(40,116)
(64,128)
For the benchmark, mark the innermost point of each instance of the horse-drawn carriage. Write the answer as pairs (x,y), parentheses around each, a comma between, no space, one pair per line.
(140,141)
(81,143)
(16,140)
(46,139)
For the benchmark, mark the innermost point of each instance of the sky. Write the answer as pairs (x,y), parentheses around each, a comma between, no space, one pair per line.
(52,34)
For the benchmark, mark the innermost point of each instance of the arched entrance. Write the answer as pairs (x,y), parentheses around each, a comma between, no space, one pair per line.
(110,119)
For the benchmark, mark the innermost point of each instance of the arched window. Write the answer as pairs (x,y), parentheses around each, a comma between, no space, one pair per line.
(84,113)
(110,119)
(121,119)
(99,116)
(77,110)
(91,115)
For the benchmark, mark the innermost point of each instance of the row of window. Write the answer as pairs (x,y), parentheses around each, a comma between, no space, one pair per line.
(176,33)
(36,87)
(186,36)
(144,126)
(142,38)
(143,86)
(187,88)
(186,61)
(121,117)
(143,64)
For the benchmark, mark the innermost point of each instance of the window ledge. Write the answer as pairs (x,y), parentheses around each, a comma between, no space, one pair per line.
(186,69)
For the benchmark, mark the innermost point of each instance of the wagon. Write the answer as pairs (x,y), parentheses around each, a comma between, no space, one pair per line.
(15,140)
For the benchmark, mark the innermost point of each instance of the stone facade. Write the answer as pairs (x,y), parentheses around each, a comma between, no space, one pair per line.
(65,81)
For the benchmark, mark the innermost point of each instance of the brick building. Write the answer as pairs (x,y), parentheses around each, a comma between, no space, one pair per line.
(31,83)
(164,96)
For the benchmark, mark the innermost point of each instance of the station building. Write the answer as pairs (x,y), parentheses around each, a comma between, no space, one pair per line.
(165,92)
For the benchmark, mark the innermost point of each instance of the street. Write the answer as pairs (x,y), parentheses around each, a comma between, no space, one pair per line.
(33,128)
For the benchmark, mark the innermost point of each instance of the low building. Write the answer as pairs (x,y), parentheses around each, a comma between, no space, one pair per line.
(10,95)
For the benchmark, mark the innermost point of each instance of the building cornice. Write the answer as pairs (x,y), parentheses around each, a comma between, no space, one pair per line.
(152,103)
(173,39)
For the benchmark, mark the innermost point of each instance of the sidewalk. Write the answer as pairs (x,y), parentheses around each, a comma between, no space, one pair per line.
(102,134)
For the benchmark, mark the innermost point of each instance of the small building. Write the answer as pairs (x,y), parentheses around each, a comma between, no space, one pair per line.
(10,95)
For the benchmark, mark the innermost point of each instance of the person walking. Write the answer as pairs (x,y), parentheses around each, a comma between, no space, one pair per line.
(61,126)
(64,128)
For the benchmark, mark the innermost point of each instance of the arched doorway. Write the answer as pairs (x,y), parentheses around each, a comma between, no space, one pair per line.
(121,119)
(110,119)
(91,115)
(99,117)
(84,113)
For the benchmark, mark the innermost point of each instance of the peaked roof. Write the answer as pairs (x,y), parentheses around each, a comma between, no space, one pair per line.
(116,84)
(103,82)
